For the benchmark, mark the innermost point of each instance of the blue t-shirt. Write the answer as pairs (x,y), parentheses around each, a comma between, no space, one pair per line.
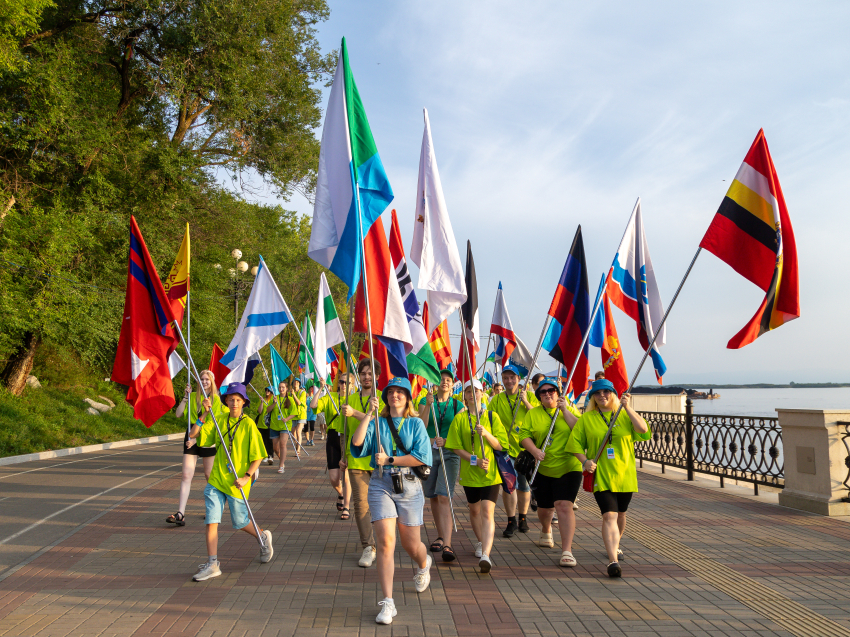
(413,435)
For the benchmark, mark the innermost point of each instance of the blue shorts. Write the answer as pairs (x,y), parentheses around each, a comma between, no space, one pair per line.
(274,433)
(436,484)
(521,482)
(408,507)
(215,500)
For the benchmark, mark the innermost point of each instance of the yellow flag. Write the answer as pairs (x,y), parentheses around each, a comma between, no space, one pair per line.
(177,284)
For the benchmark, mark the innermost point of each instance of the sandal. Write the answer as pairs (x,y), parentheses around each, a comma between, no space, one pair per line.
(448,554)
(567,559)
(176,518)
(345,515)
(437,545)
(339,506)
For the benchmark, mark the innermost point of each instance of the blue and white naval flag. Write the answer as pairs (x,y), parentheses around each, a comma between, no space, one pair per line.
(265,316)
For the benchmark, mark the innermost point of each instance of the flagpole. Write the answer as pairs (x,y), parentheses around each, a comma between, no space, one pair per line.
(584,338)
(646,354)
(487,353)
(351,372)
(531,370)
(545,443)
(188,373)
(442,459)
(221,437)
(280,412)
(469,368)
(312,358)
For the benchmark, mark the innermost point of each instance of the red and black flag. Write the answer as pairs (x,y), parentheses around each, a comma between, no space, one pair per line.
(469,311)
(752,233)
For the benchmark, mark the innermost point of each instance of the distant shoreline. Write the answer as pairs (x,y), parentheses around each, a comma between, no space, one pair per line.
(752,386)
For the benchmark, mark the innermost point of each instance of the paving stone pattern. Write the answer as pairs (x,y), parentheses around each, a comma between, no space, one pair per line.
(697,563)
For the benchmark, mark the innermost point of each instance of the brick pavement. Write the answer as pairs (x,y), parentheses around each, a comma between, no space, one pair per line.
(697,563)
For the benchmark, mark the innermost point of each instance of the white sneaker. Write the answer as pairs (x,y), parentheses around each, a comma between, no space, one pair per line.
(478,549)
(387,613)
(575,504)
(366,561)
(267,551)
(620,555)
(484,565)
(207,571)
(423,576)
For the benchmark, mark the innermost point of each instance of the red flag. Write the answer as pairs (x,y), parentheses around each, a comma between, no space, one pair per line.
(612,354)
(147,337)
(439,340)
(219,371)
(381,357)
(469,311)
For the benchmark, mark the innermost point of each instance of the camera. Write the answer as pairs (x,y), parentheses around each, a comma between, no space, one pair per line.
(398,487)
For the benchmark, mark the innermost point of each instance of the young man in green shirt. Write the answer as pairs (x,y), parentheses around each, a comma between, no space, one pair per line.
(327,403)
(247,451)
(504,404)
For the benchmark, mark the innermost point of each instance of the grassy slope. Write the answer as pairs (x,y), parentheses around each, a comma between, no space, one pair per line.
(55,417)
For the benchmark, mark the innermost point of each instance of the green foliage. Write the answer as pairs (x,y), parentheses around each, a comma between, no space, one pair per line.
(18,19)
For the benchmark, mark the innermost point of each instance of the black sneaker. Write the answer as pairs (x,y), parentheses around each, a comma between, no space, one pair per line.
(511,528)
(533,503)
(614,570)
(523,524)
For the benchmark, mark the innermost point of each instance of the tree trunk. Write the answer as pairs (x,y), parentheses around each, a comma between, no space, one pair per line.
(14,374)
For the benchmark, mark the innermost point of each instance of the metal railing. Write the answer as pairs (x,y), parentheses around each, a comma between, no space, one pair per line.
(742,448)
(844,437)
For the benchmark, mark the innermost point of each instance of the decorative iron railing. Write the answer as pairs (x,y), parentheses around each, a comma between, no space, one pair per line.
(743,448)
(844,438)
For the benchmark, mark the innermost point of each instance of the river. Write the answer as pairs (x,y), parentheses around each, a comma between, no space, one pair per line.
(765,402)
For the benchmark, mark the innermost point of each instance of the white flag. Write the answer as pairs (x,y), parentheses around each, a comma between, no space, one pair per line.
(175,364)
(434,248)
(328,328)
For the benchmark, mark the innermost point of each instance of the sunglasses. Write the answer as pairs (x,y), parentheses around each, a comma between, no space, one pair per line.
(551,390)
(602,391)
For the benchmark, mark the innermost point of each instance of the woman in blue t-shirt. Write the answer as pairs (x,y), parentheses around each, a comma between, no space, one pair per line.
(395,493)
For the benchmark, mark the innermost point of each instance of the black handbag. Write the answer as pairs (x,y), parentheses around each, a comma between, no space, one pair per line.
(423,472)
(525,464)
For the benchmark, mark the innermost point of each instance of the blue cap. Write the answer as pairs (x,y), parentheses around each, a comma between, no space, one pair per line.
(398,381)
(511,368)
(238,389)
(548,380)
(602,383)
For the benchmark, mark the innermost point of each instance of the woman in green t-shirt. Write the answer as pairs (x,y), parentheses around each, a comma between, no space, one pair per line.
(615,477)
(282,410)
(479,472)
(559,474)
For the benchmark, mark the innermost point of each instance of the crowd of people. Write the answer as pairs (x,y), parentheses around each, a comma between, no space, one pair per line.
(388,451)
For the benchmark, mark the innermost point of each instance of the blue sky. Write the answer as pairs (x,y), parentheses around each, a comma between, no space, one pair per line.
(549,115)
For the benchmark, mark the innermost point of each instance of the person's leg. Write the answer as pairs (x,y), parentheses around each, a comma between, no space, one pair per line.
(346,490)
(486,524)
(411,541)
(509,501)
(282,446)
(333,474)
(545,516)
(360,492)
(523,499)
(475,519)
(621,525)
(566,523)
(189,462)
(385,536)
(212,540)
(610,534)
(209,461)
(443,518)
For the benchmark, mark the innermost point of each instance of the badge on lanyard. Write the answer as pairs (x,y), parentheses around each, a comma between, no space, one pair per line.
(610,453)
(473,460)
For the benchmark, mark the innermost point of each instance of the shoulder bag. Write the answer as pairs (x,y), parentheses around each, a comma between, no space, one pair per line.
(423,472)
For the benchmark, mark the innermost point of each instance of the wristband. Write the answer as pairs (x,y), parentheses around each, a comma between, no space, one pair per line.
(199,422)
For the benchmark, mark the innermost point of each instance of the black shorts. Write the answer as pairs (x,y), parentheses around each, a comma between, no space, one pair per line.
(310,425)
(476,494)
(549,490)
(267,441)
(195,450)
(333,452)
(613,501)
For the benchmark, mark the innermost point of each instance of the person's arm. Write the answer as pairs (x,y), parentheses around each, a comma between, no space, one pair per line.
(360,434)
(489,437)
(196,428)
(524,396)
(530,447)
(245,479)
(638,422)
(181,408)
(569,416)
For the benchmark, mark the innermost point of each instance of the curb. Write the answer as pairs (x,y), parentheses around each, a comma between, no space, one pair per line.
(73,451)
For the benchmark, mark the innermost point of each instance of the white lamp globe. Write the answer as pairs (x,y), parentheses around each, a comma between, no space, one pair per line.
(236,254)
(243,267)
(254,270)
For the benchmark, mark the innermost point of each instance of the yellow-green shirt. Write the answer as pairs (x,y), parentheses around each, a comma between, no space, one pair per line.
(616,469)
(281,411)
(461,436)
(246,447)
(261,413)
(536,425)
(361,404)
(219,410)
(504,406)
(300,411)
(325,406)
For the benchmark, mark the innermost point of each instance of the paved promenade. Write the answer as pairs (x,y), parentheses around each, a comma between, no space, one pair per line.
(698,562)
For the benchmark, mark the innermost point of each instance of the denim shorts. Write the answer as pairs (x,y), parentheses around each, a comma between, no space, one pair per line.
(521,481)
(408,506)
(274,433)
(215,500)
(436,484)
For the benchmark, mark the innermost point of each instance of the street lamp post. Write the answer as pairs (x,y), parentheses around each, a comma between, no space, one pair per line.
(238,285)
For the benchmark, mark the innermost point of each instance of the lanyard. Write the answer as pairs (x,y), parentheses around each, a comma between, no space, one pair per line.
(232,428)
(442,414)
(390,423)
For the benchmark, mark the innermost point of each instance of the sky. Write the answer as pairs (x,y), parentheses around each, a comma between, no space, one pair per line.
(549,115)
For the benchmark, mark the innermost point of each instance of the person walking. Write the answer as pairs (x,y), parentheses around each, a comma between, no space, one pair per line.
(360,469)
(298,396)
(282,412)
(615,476)
(559,474)
(395,441)
(246,453)
(191,450)
(264,419)
(445,407)
(479,472)
(310,423)
(326,403)
(504,404)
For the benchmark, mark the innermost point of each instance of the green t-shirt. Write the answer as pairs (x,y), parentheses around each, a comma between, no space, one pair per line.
(536,425)
(617,473)
(261,413)
(281,411)
(300,411)
(246,446)
(219,410)
(361,404)
(326,407)
(445,411)
(504,406)
(461,436)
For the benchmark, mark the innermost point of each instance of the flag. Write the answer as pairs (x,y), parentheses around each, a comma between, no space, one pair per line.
(219,371)
(147,336)
(752,232)
(306,368)
(420,360)
(491,358)
(434,249)
(603,334)
(176,285)
(389,320)
(487,379)
(570,312)
(439,340)
(502,328)
(175,364)
(469,311)
(346,362)
(328,328)
(632,264)
(333,365)
(382,357)
(250,365)
(521,357)
(265,316)
(280,370)
(349,165)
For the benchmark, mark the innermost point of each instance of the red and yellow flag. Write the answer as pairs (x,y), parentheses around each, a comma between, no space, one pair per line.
(439,340)
(752,232)
(177,283)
